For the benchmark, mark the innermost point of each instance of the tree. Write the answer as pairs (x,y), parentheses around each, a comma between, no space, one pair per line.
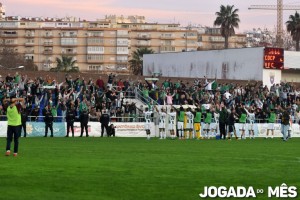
(293,27)
(9,58)
(228,19)
(65,63)
(136,63)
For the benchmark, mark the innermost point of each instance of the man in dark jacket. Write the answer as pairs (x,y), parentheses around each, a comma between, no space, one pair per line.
(84,120)
(222,121)
(24,116)
(104,120)
(70,118)
(48,119)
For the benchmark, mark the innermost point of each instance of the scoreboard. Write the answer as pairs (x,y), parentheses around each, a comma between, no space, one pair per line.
(273,58)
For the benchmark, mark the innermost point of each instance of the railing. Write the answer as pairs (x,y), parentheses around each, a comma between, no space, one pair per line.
(146,100)
(135,118)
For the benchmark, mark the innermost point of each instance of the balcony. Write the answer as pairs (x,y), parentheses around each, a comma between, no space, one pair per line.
(29,35)
(48,52)
(31,51)
(143,37)
(9,35)
(69,52)
(167,49)
(67,35)
(142,44)
(48,35)
(67,44)
(48,43)
(122,61)
(31,43)
(167,37)
(123,35)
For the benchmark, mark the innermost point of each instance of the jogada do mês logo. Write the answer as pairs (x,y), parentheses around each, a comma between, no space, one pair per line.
(282,191)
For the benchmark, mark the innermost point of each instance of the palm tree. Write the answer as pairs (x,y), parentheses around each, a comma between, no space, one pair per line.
(65,63)
(228,19)
(293,27)
(136,63)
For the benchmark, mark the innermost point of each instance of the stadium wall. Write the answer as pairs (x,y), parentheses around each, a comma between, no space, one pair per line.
(234,64)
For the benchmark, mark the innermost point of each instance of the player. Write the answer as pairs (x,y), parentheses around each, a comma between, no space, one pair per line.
(189,124)
(207,121)
(251,120)
(180,122)
(271,121)
(172,118)
(147,115)
(215,127)
(162,123)
(197,122)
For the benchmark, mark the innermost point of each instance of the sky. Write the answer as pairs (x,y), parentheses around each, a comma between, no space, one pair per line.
(162,11)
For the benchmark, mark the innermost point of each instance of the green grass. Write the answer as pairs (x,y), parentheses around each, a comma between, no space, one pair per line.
(134,168)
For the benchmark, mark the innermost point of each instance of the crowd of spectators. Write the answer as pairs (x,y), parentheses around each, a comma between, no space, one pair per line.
(96,95)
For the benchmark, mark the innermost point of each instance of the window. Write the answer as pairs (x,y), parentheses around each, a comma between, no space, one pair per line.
(95,33)
(95,57)
(122,50)
(68,41)
(95,50)
(123,42)
(95,41)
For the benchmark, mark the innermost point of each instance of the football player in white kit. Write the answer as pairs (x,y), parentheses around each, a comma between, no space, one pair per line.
(189,124)
(171,127)
(251,121)
(147,115)
(162,123)
(215,127)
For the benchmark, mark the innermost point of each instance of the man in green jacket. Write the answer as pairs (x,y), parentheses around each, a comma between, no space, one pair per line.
(13,125)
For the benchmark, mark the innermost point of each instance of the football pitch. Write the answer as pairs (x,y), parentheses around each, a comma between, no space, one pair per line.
(134,168)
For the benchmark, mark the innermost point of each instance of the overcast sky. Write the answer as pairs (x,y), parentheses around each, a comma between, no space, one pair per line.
(164,11)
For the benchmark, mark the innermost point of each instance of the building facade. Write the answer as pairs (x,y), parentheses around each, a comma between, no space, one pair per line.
(104,44)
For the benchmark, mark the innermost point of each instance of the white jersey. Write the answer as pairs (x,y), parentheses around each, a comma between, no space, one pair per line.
(162,119)
(147,119)
(251,117)
(172,117)
(190,120)
(216,117)
(148,116)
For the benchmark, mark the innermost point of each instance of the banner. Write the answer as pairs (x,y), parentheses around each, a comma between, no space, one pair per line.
(37,129)
(122,129)
(137,129)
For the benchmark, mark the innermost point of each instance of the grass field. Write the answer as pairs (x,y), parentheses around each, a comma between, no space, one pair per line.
(134,168)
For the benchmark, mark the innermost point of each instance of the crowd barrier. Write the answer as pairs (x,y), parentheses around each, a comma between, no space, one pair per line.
(127,129)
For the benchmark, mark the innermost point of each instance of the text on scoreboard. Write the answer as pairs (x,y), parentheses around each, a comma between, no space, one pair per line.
(273,58)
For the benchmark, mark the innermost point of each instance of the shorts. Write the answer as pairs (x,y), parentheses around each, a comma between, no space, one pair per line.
(189,126)
(214,126)
(231,128)
(147,126)
(197,126)
(206,126)
(171,126)
(180,125)
(270,126)
(250,127)
(242,126)
(162,125)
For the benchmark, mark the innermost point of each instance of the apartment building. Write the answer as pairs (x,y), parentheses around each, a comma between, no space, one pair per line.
(212,39)
(95,45)
(103,44)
